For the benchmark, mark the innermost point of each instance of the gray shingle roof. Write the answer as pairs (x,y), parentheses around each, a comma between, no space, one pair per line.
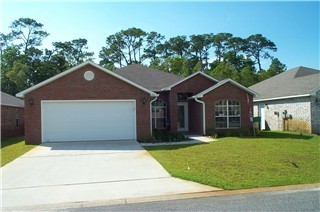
(9,100)
(293,82)
(149,78)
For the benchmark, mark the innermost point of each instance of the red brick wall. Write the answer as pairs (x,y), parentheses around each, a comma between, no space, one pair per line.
(227,92)
(193,85)
(8,121)
(74,87)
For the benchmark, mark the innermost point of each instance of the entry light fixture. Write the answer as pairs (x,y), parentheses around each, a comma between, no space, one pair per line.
(31,101)
(144,101)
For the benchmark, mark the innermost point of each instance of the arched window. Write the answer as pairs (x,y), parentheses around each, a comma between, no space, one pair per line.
(159,114)
(227,114)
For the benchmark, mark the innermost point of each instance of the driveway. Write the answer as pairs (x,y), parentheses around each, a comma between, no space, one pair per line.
(73,172)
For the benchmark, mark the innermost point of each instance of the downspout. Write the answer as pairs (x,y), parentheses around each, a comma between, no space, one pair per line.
(203,114)
(151,113)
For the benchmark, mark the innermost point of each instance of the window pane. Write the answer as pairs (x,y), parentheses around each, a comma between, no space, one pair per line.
(161,123)
(234,122)
(153,123)
(160,112)
(221,108)
(17,122)
(234,111)
(221,122)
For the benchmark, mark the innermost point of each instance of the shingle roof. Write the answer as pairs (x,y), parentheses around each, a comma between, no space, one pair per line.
(39,85)
(147,77)
(294,82)
(222,82)
(9,100)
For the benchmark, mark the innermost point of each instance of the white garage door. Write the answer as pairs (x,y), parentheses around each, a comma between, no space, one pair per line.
(88,120)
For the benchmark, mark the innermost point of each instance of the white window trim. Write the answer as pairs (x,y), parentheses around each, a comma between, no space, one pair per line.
(227,116)
(153,115)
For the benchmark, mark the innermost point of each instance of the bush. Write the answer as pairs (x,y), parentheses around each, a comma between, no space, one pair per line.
(225,133)
(164,137)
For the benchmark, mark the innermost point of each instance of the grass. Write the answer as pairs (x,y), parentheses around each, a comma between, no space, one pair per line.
(12,148)
(271,159)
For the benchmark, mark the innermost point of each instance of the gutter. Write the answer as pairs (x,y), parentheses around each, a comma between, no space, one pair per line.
(283,97)
(203,114)
(156,97)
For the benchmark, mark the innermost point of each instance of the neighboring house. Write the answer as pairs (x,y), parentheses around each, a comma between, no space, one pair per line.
(12,116)
(88,102)
(289,101)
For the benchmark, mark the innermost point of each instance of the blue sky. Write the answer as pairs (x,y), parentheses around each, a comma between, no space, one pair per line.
(292,26)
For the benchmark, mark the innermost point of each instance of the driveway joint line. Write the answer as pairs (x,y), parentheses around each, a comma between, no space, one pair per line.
(97,182)
(67,155)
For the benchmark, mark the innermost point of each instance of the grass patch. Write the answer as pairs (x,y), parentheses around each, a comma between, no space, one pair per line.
(271,159)
(11,148)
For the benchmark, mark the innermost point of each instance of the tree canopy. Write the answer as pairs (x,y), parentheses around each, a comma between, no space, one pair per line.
(24,63)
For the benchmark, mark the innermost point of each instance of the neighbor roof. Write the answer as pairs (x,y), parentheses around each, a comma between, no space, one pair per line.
(222,82)
(296,82)
(149,78)
(9,100)
(23,93)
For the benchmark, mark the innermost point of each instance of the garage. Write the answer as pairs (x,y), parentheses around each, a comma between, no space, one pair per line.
(88,120)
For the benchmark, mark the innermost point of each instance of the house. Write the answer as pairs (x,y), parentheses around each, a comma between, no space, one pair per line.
(12,116)
(289,101)
(89,102)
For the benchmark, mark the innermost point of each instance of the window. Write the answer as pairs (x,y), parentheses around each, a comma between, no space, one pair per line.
(159,114)
(227,114)
(17,118)
(184,96)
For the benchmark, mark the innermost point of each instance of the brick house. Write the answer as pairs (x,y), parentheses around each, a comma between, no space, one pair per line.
(12,116)
(289,101)
(88,102)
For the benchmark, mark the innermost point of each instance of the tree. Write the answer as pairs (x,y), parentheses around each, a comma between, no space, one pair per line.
(200,46)
(123,48)
(133,39)
(276,67)
(225,70)
(4,41)
(164,50)
(178,46)
(248,76)
(153,40)
(258,47)
(73,52)
(8,57)
(220,41)
(113,54)
(19,75)
(28,32)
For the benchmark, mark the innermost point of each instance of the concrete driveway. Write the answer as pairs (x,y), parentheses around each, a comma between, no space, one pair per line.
(75,172)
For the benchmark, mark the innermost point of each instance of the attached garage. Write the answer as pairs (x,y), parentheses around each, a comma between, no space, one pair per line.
(86,103)
(88,120)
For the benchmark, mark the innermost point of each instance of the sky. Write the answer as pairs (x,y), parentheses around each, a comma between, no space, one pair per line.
(293,26)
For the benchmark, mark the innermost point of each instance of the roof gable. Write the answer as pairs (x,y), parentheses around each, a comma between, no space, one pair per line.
(9,100)
(299,81)
(147,77)
(23,93)
(221,83)
(187,78)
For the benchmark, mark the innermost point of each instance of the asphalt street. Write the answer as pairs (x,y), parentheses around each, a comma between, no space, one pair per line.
(286,200)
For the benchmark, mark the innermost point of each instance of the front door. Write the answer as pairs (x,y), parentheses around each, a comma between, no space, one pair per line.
(183,116)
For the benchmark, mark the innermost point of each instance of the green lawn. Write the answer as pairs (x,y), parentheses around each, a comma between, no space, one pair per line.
(11,148)
(272,159)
